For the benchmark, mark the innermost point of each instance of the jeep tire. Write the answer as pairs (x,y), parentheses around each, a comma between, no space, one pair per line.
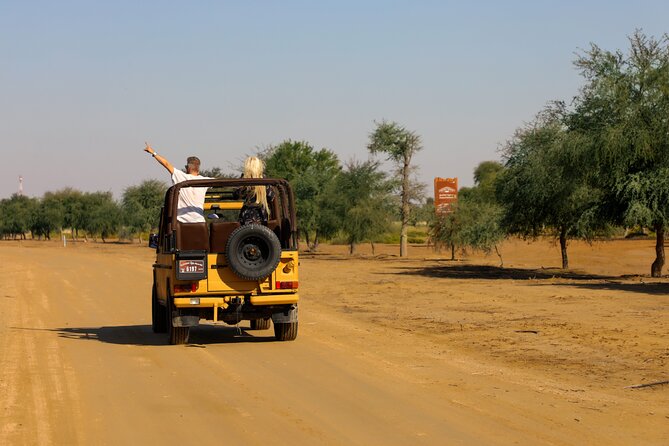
(286,331)
(158,316)
(260,324)
(253,251)
(176,335)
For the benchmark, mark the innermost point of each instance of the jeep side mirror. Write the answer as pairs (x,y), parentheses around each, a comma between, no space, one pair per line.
(153,241)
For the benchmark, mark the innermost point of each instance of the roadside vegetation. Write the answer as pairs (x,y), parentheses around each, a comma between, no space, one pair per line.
(581,169)
(590,167)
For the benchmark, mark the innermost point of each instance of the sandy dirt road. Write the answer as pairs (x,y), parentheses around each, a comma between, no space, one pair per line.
(481,355)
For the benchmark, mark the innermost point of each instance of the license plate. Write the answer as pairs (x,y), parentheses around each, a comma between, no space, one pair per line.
(191,266)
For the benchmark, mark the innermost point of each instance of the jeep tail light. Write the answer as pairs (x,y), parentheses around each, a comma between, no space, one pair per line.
(286,285)
(187,287)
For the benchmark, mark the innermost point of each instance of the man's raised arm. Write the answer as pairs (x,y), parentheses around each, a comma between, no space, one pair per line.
(166,164)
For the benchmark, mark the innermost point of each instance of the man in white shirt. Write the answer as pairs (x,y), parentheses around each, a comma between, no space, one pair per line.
(191,199)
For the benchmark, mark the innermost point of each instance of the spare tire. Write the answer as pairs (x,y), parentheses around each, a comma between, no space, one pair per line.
(253,251)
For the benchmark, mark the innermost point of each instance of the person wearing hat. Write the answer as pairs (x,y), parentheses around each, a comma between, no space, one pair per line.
(190,208)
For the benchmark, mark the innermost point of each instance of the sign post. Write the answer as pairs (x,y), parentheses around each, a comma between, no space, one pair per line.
(445,195)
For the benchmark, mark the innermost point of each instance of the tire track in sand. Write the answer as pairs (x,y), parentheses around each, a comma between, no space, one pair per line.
(39,389)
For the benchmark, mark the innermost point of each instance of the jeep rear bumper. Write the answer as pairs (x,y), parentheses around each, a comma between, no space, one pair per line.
(224,301)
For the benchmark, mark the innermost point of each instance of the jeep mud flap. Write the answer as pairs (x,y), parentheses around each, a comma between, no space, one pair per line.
(184,321)
(285,317)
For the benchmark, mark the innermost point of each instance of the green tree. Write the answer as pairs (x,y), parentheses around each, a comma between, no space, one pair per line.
(471,224)
(47,216)
(141,205)
(310,173)
(475,221)
(444,230)
(102,214)
(485,177)
(399,145)
(217,172)
(622,117)
(15,215)
(4,218)
(73,208)
(424,213)
(541,191)
(480,226)
(362,201)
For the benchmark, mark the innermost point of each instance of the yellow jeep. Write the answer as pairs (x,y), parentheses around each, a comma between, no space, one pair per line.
(223,272)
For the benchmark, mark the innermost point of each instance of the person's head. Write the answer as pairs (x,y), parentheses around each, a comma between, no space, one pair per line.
(253,167)
(193,165)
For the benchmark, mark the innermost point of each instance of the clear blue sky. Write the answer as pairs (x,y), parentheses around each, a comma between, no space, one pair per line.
(84,83)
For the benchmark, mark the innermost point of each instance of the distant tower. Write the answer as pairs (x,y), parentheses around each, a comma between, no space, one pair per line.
(20,185)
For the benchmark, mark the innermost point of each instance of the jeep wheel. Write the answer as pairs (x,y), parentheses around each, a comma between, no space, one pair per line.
(253,251)
(176,335)
(260,324)
(158,316)
(285,331)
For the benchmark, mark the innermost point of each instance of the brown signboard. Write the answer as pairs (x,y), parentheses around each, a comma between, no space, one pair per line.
(445,194)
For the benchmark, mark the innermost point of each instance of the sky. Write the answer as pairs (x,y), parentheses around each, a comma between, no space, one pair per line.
(83,84)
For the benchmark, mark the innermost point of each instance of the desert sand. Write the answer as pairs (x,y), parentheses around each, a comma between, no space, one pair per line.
(422,350)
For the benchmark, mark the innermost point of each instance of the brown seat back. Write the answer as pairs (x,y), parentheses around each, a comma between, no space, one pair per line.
(192,236)
(219,233)
(285,233)
(275,227)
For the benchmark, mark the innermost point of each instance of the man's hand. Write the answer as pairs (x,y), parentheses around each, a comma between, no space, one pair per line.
(166,164)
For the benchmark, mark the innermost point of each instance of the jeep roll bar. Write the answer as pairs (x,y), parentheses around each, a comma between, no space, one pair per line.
(285,195)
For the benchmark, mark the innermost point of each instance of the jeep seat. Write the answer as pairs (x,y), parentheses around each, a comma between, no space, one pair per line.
(219,233)
(192,236)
